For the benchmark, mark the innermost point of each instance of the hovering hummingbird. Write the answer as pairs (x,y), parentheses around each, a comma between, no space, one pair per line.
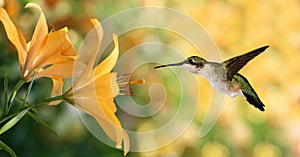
(224,76)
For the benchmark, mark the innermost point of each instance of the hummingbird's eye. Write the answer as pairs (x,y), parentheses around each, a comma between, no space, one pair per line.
(192,61)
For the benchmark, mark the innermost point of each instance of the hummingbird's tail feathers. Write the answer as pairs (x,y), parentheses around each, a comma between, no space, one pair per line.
(248,92)
(254,100)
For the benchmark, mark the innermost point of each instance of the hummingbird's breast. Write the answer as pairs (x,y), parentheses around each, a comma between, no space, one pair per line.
(216,75)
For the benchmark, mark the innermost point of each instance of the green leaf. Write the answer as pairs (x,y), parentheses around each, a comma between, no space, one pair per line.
(28,104)
(13,95)
(5,83)
(42,122)
(28,90)
(7,117)
(14,120)
(36,115)
(8,149)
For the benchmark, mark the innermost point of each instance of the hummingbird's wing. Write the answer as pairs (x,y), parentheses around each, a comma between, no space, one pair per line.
(233,65)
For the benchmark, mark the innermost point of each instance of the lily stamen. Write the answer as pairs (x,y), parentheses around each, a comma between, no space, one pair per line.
(127,94)
(124,82)
(142,81)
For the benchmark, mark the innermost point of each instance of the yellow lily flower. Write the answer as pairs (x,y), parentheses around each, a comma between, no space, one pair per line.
(95,88)
(46,55)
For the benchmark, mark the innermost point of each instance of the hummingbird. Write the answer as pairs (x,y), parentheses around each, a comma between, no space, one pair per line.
(224,76)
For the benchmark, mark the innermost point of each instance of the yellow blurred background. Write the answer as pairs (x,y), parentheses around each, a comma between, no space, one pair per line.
(236,26)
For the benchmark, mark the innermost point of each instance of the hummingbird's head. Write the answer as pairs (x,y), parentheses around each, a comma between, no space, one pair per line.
(192,64)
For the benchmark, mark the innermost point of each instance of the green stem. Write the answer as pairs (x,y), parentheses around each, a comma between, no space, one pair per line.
(47,101)
(13,95)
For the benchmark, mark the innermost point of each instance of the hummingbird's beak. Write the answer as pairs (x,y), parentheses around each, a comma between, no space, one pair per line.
(168,65)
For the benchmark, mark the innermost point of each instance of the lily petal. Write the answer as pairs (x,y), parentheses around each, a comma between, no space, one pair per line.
(89,90)
(67,53)
(64,70)
(126,142)
(50,46)
(107,86)
(86,74)
(68,48)
(107,128)
(110,103)
(90,107)
(40,32)
(99,32)
(57,83)
(105,117)
(108,64)
(114,121)
(16,37)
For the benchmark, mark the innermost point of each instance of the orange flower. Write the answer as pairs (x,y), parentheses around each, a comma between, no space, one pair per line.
(95,88)
(47,54)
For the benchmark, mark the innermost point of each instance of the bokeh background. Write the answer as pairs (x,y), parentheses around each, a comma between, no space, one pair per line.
(236,26)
